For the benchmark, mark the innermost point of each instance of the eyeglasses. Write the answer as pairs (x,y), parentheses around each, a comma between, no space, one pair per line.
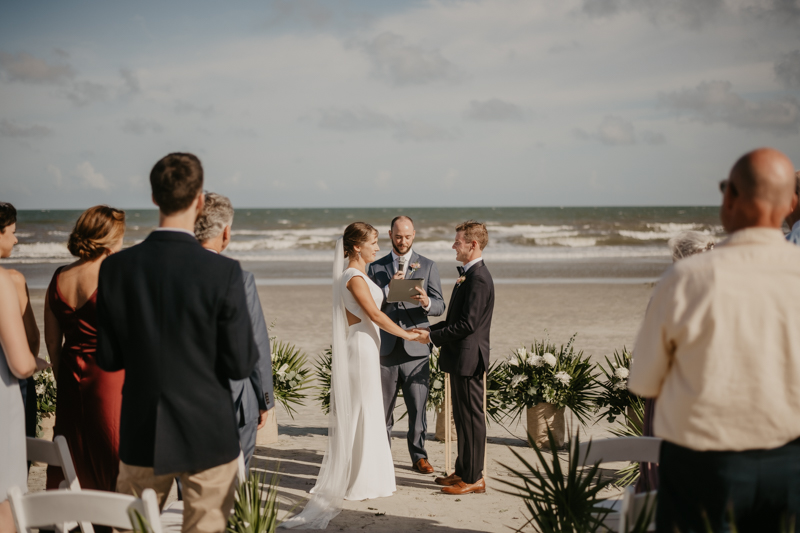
(724,184)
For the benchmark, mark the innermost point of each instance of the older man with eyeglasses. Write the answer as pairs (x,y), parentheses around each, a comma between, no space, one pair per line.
(720,350)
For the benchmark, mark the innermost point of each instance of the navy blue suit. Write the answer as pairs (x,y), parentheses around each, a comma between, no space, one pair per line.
(405,364)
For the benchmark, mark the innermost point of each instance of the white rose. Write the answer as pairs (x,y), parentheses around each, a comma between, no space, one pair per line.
(437,385)
(40,389)
(517,379)
(535,360)
(550,359)
(563,378)
(622,372)
(621,385)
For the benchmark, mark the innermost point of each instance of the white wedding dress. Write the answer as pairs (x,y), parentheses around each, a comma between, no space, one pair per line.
(358,462)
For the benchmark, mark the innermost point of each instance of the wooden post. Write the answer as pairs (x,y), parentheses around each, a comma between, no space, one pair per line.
(447,414)
(486,439)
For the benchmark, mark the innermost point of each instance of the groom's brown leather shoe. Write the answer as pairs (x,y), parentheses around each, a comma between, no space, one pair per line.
(423,466)
(478,487)
(452,479)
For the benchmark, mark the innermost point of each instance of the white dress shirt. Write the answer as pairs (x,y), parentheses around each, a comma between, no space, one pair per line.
(471,263)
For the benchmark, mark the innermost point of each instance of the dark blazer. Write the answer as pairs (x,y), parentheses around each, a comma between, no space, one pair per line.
(174,317)
(464,335)
(256,392)
(408,315)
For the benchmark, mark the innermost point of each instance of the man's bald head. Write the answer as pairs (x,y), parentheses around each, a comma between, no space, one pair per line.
(760,191)
(402,234)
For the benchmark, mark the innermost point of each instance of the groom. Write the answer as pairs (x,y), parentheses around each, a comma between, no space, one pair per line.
(404,364)
(464,338)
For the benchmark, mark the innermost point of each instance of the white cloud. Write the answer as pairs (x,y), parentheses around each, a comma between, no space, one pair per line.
(83,93)
(364,119)
(141,126)
(12,130)
(787,70)
(715,102)
(29,69)
(90,178)
(400,63)
(56,173)
(612,131)
(493,110)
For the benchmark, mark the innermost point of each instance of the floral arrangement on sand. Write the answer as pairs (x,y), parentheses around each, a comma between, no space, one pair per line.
(614,398)
(289,375)
(45,394)
(547,373)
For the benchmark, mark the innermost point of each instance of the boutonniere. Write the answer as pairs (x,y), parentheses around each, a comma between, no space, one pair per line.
(414,267)
(461,280)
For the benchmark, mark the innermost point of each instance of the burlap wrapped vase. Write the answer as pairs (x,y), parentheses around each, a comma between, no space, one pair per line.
(441,424)
(542,415)
(269,433)
(47,425)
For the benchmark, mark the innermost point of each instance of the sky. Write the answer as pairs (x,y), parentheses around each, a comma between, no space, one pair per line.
(304,103)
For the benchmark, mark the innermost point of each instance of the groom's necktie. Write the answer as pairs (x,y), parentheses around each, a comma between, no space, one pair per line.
(460,270)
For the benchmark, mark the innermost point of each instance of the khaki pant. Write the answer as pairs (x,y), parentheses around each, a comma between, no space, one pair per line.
(207,495)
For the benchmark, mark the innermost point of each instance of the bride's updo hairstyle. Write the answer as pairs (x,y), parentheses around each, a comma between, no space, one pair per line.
(356,234)
(96,230)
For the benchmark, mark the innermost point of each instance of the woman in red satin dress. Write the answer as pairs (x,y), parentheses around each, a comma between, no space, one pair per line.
(89,399)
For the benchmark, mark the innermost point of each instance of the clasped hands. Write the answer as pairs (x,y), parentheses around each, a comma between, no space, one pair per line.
(423,336)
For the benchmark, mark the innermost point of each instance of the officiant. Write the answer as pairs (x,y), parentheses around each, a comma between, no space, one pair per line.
(404,364)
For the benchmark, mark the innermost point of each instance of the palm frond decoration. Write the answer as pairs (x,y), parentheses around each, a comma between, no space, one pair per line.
(629,426)
(253,512)
(323,374)
(559,500)
(289,375)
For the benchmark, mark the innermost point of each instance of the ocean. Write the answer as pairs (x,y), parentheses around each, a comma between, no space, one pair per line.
(526,245)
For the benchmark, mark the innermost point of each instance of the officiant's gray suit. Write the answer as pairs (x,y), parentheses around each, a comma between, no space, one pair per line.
(404,364)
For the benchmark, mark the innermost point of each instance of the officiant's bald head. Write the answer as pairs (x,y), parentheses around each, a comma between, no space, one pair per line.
(402,234)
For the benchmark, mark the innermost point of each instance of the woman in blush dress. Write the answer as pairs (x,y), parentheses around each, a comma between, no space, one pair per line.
(358,462)
(89,399)
(16,362)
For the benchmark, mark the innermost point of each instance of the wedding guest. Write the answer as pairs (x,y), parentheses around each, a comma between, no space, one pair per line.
(683,245)
(793,220)
(719,351)
(174,317)
(89,399)
(252,397)
(8,239)
(16,362)
(404,364)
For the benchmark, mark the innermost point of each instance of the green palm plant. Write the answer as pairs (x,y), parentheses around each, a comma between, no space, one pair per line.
(289,375)
(253,511)
(323,373)
(629,426)
(559,500)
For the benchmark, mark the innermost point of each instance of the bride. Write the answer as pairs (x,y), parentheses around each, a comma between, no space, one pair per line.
(358,461)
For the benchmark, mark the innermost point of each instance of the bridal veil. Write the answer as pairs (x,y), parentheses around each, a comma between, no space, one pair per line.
(334,475)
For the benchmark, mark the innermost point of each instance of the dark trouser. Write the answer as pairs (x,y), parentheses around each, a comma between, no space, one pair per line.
(760,487)
(467,396)
(28,389)
(412,374)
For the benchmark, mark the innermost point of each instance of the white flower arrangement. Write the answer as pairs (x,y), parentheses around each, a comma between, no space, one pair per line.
(551,374)
(615,398)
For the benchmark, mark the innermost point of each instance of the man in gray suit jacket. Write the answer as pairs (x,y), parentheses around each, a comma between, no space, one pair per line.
(404,364)
(252,397)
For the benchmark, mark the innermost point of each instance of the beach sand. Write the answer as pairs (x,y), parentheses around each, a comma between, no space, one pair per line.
(605,316)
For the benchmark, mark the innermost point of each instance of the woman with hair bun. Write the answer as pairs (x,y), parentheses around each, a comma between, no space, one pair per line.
(89,399)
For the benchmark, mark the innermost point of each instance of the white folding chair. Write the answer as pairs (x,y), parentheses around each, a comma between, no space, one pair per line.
(628,449)
(56,453)
(43,509)
(172,517)
(636,505)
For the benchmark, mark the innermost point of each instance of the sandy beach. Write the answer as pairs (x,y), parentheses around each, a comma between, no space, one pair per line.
(606,316)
